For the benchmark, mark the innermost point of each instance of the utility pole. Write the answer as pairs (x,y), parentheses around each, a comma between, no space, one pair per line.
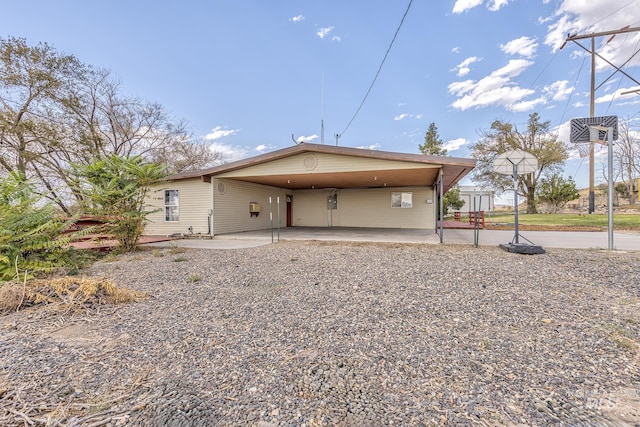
(593,53)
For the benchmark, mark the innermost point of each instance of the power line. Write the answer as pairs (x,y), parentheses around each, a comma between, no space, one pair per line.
(377,73)
(614,12)
(573,89)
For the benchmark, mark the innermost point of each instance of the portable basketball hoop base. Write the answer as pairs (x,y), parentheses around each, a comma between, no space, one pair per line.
(514,163)
(522,248)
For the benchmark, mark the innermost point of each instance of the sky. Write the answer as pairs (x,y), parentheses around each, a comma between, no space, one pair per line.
(252,76)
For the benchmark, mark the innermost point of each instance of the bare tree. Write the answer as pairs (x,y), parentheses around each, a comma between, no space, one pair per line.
(186,155)
(626,158)
(56,112)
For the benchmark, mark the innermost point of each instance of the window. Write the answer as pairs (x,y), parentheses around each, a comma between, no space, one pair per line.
(171,205)
(401,200)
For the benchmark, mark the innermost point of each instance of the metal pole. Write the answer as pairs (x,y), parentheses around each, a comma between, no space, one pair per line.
(515,202)
(441,207)
(278,202)
(592,193)
(475,223)
(611,185)
(271,218)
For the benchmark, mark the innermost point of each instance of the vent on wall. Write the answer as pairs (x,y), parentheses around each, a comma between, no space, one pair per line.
(310,162)
(222,188)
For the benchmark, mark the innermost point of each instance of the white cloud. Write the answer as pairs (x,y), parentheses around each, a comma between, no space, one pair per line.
(456,49)
(407,115)
(217,133)
(558,91)
(324,32)
(465,5)
(586,17)
(495,89)
(529,105)
(455,144)
(369,147)
(309,138)
(229,153)
(617,95)
(298,18)
(495,5)
(463,67)
(336,39)
(523,46)
(264,147)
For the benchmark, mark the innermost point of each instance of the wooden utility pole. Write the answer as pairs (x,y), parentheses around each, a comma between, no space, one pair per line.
(593,53)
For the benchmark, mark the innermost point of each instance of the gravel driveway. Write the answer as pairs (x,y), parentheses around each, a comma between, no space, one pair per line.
(322,333)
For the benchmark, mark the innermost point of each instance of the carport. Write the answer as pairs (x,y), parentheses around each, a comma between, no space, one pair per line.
(363,185)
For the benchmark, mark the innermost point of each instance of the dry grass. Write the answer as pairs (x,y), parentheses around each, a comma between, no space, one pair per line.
(67,292)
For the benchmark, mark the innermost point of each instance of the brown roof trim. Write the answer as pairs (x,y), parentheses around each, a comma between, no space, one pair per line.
(205,174)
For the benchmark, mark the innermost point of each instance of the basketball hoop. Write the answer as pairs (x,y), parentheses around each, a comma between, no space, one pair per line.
(514,163)
(583,150)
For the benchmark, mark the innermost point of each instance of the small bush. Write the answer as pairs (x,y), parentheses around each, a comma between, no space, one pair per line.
(67,292)
(176,250)
(33,239)
(194,278)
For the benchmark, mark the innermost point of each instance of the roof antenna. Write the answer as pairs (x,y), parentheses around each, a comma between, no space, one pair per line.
(295,141)
(322,112)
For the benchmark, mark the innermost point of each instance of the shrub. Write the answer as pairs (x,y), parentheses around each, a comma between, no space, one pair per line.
(115,188)
(32,236)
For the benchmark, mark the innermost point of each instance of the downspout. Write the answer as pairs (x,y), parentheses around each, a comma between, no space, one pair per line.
(441,206)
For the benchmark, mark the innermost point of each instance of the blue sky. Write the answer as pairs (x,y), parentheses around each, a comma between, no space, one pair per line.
(247,74)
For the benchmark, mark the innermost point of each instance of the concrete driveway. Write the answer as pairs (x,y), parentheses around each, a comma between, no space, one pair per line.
(628,241)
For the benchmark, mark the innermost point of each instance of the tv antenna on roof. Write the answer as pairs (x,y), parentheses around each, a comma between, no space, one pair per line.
(514,163)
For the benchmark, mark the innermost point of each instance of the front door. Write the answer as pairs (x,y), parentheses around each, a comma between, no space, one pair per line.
(289,200)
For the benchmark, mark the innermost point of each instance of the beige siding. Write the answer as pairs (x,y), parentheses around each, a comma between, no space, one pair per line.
(309,208)
(231,206)
(320,163)
(194,201)
(364,208)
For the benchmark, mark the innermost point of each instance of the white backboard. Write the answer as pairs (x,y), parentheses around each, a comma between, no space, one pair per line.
(524,163)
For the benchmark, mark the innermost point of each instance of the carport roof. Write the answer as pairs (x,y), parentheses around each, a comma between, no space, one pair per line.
(423,171)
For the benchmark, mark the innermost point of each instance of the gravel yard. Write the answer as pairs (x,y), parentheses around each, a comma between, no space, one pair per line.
(312,333)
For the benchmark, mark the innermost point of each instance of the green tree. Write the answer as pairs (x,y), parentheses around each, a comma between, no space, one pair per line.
(115,188)
(537,140)
(452,200)
(556,191)
(433,145)
(33,239)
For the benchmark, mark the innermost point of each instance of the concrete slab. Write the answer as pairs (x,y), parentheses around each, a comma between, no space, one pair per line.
(628,241)
(209,244)
(350,234)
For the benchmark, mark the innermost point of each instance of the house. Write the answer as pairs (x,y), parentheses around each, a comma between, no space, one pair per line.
(310,185)
(483,199)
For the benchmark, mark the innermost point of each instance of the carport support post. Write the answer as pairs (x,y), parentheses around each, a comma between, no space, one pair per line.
(271,218)
(515,201)
(441,207)
(278,203)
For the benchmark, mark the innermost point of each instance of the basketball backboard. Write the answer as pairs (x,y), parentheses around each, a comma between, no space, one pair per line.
(517,160)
